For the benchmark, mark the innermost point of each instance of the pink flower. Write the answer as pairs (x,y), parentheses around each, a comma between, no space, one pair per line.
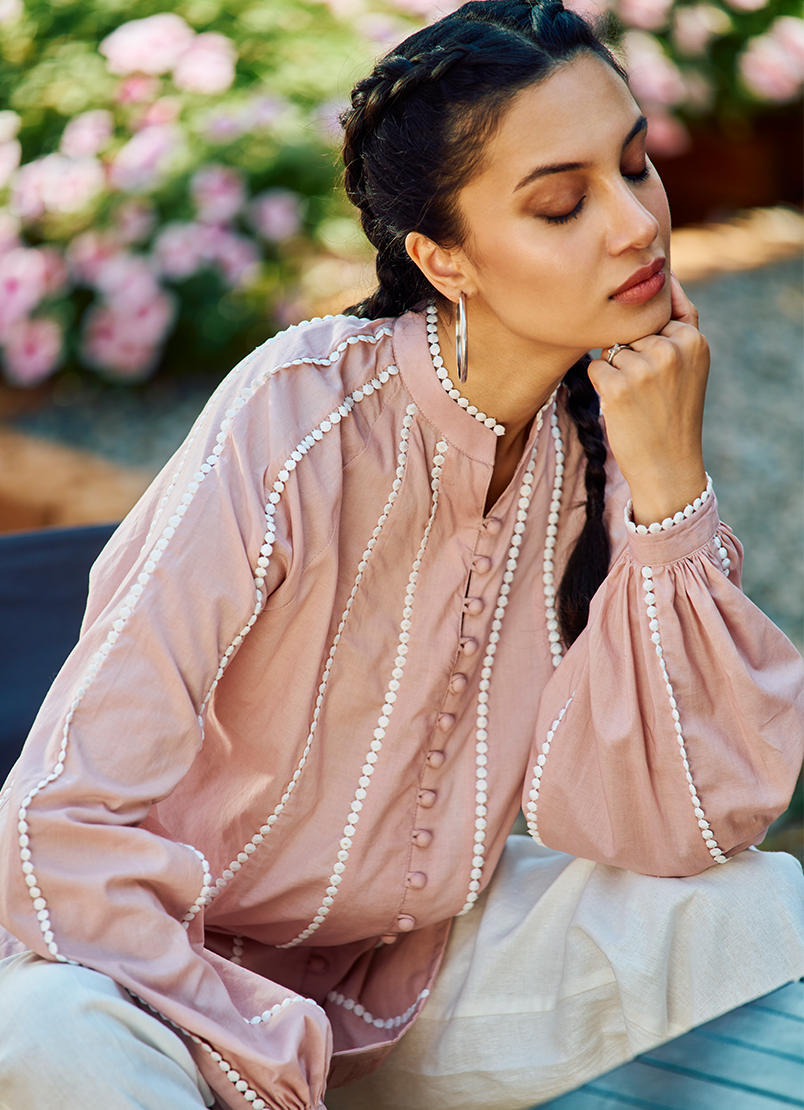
(277,214)
(748,5)
(694,27)
(124,335)
(218,193)
(141,164)
(788,32)
(108,344)
(166,109)
(56,184)
(55,274)
(152,45)
(769,70)
(22,284)
(208,65)
(264,112)
(10,155)
(9,231)
(667,136)
(236,256)
(10,10)
(179,249)
(654,78)
(89,252)
(127,282)
(328,118)
(590,10)
(31,350)
(135,219)
(648,14)
(137,89)
(88,133)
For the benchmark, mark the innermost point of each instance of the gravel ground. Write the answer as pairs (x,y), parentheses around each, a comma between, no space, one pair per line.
(754,428)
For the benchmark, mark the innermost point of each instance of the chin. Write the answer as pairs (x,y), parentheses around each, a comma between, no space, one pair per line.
(649,320)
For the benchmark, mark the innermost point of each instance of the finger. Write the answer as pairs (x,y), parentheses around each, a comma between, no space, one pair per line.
(681,307)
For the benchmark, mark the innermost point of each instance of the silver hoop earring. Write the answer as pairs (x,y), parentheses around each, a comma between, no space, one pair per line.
(461,340)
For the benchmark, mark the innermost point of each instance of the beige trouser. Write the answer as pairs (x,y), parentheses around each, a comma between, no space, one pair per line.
(72,1039)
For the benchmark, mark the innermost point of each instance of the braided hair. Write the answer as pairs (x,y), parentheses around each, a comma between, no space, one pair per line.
(414,137)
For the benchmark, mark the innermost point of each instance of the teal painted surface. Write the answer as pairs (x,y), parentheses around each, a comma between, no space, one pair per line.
(749,1059)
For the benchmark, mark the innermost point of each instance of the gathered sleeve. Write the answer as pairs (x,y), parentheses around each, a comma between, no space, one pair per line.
(87,874)
(670,737)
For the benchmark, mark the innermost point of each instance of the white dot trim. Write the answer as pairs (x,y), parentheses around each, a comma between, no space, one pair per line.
(266,1015)
(379,1023)
(670,521)
(234,1077)
(251,846)
(237,952)
(386,712)
(238,370)
(203,897)
(149,567)
(443,376)
(548,565)
(648,587)
(531,809)
(481,732)
(723,555)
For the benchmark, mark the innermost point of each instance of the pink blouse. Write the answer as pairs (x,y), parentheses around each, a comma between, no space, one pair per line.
(315,684)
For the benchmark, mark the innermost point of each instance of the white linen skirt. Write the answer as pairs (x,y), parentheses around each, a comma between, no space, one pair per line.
(566,969)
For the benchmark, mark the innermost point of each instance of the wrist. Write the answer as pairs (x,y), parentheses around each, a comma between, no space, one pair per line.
(660,500)
(665,523)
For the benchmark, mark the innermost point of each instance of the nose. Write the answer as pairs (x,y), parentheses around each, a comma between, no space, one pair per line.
(632,226)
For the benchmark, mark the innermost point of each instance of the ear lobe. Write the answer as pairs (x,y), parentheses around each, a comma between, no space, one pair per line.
(444,268)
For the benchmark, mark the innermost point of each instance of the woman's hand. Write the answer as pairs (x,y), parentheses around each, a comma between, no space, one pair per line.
(653,401)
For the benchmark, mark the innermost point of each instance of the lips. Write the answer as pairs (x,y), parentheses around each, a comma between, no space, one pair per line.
(642,285)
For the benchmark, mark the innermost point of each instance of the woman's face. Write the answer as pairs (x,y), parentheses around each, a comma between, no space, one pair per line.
(568,225)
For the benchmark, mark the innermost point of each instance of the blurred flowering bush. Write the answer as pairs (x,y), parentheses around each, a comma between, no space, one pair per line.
(696,60)
(167,177)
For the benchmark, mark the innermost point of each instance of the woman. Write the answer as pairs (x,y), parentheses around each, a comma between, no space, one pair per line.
(349,631)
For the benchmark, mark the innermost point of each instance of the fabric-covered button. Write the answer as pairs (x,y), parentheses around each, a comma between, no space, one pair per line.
(389,938)
(492,526)
(469,645)
(474,606)
(446,721)
(457,683)
(427,798)
(435,759)
(416,879)
(422,838)
(406,923)
(481,564)
(317,964)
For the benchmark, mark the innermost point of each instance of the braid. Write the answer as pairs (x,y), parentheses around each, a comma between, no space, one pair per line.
(401,285)
(588,564)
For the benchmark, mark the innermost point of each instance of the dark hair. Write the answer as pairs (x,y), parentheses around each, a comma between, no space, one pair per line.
(414,137)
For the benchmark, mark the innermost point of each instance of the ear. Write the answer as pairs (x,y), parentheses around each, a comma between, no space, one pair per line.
(447,270)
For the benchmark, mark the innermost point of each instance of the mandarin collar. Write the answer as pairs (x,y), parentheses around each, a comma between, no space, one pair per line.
(456,426)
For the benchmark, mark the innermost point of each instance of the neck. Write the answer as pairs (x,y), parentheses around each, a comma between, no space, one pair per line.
(507,378)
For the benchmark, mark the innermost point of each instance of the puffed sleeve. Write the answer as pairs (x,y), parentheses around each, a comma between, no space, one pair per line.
(86,874)
(671,734)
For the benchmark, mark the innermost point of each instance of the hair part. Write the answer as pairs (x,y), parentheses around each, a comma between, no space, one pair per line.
(415,136)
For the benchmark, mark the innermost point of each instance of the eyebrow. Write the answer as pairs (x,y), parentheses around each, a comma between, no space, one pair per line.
(640,125)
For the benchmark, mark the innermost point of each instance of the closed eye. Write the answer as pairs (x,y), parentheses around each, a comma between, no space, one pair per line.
(567,216)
